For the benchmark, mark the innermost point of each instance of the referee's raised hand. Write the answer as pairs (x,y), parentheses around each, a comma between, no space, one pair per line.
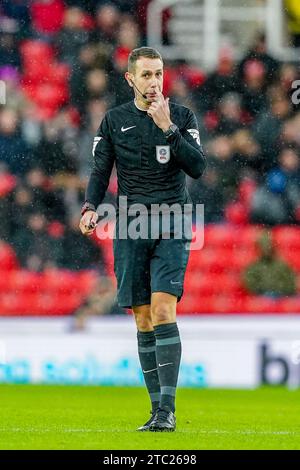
(88,222)
(160,112)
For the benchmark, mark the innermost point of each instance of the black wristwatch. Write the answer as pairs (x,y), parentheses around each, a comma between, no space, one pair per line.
(87,206)
(171,131)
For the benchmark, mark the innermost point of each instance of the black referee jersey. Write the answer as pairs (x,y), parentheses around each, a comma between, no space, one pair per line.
(150,168)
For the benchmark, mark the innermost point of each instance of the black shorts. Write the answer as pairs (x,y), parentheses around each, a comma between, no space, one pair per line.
(143,266)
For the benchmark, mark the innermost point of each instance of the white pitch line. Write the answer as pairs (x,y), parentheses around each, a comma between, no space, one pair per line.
(181,431)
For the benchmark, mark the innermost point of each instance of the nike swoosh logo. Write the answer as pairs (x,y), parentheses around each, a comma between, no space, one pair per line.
(124,129)
(167,364)
(151,370)
(175,282)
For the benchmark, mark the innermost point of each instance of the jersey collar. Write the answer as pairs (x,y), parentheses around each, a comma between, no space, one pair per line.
(140,109)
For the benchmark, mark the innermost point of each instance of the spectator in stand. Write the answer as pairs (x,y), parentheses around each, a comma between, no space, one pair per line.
(230,114)
(45,198)
(119,86)
(290,132)
(128,38)
(221,81)
(97,85)
(50,154)
(107,25)
(21,208)
(254,88)
(289,165)
(7,185)
(292,8)
(258,52)
(96,110)
(128,34)
(79,251)
(9,52)
(269,275)
(288,74)
(181,94)
(86,61)
(101,301)
(209,191)
(30,125)
(267,128)
(277,201)
(72,36)
(220,153)
(247,154)
(91,56)
(19,11)
(13,150)
(33,245)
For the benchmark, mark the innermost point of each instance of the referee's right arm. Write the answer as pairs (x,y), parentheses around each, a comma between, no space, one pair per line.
(103,153)
(103,163)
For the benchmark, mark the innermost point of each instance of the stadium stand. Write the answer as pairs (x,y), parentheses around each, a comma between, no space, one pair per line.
(62,72)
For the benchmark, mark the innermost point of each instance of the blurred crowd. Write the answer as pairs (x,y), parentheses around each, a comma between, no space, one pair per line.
(63,64)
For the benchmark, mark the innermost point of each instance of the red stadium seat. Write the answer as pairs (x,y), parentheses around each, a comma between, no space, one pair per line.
(223,304)
(221,235)
(39,304)
(246,191)
(50,95)
(8,259)
(236,213)
(35,51)
(241,258)
(106,244)
(60,281)
(86,281)
(34,75)
(209,259)
(58,304)
(191,281)
(59,73)
(287,237)
(194,262)
(21,304)
(249,235)
(21,281)
(191,304)
(212,284)
(291,257)
(290,305)
(262,304)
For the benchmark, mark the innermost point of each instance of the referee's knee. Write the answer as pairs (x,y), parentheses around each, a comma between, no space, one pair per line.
(142,317)
(163,312)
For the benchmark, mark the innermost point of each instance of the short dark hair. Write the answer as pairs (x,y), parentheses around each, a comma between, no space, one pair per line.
(136,54)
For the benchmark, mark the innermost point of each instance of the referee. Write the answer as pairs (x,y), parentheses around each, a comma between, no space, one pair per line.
(153,144)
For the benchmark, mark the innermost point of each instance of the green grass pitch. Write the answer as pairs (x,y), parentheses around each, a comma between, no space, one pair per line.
(75,417)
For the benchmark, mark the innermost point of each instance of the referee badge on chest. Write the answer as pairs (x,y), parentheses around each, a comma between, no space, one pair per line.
(162,153)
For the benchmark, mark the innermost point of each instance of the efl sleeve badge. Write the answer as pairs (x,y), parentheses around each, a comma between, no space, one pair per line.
(162,153)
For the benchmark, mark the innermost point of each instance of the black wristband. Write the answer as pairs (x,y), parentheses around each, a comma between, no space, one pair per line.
(87,206)
(171,131)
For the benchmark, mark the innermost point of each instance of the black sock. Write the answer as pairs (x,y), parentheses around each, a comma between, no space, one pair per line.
(147,355)
(168,355)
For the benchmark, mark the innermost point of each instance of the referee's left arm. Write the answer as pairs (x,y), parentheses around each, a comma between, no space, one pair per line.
(187,149)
